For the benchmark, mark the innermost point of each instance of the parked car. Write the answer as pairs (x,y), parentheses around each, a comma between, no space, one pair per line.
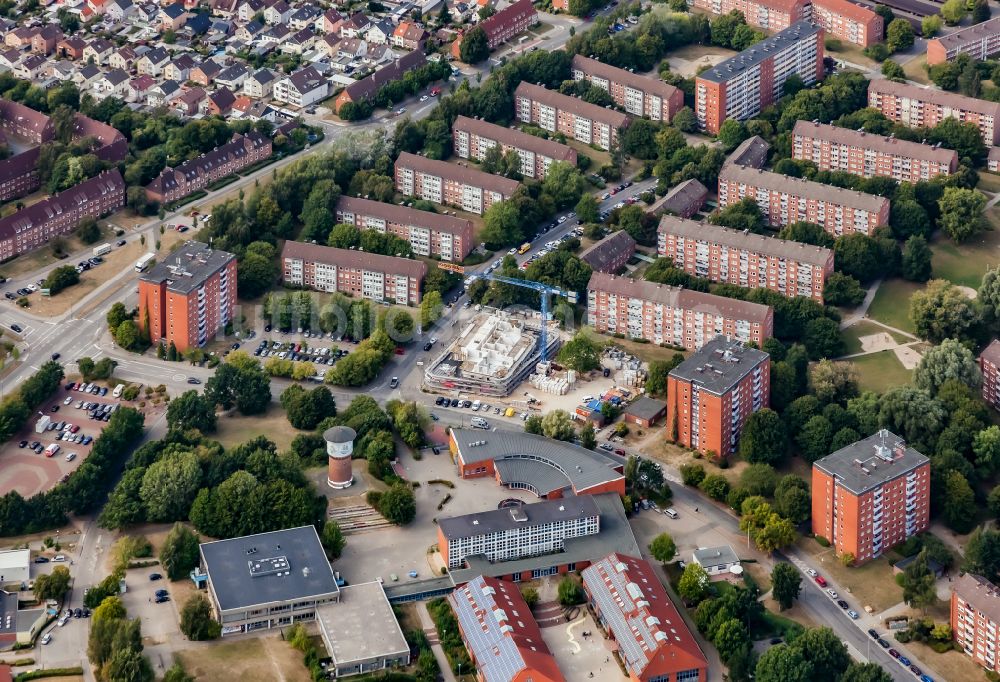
(59,557)
(821,581)
(842,604)
(873,633)
(895,654)
(394,383)
(833,594)
(155,576)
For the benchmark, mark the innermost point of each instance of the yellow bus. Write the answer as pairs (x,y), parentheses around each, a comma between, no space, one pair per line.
(525,247)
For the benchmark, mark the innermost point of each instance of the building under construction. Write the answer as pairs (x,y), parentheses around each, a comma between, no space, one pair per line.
(492,355)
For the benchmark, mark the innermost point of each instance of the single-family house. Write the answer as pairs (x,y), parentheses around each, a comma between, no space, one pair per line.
(45,39)
(119,10)
(303,17)
(98,51)
(9,59)
(224,8)
(163,94)
(123,58)
(30,67)
(71,47)
(249,8)
(180,68)
(232,77)
(19,37)
(85,76)
(205,73)
(138,88)
(355,25)
(153,62)
(249,31)
(380,32)
(189,103)
(197,24)
(146,12)
(330,22)
(219,103)
(112,84)
(278,13)
(408,36)
(172,17)
(299,42)
(260,84)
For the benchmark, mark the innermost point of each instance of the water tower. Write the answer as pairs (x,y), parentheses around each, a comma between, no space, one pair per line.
(339,447)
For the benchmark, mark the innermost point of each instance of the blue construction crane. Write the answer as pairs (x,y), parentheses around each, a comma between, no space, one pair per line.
(544,291)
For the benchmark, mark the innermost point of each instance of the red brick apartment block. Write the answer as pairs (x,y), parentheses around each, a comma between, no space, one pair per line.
(500,634)
(721,254)
(452,184)
(870,495)
(61,213)
(504,25)
(633,608)
(915,106)
(869,155)
(711,395)
(979,41)
(358,273)
(660,313)
(741,86)
(242,151)
(844,20)
(989,363)
(786,200)
(428,233)
(975,618)
(638,95)
(473,138)
(574,118)
(773,15)
(189,296)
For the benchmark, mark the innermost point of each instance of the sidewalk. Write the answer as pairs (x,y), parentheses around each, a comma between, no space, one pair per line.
(431,632)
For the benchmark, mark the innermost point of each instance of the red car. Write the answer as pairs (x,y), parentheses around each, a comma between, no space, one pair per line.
(821,581)
(400,351)
(620,452)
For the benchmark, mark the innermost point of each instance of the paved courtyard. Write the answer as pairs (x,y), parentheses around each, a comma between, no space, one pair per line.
(579,656)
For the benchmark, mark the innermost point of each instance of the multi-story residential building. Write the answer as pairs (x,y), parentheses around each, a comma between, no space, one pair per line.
(773,15)
(660,313)
(989,363)
(847,21)
(844,149)
(979,41)
(364,90)
(741,86)
(302,88)
(60,214)
(189,296)
(683,200)
(649,634)
(358,273)
(473,138)
(711,395)
(448,237)
(870,495)
(525,531)
(445,183)
(917,106)
(638,95)
(242,151)
(720,254)
(574,118)
(500,634)
(509,22)
(611,253)
(975,618)
(785,200)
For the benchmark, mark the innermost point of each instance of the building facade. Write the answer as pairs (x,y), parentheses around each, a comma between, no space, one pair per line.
(611,253)
(516,532)
(784,199)
(989,363)
(430,234)
(357,273)
(712,394)
(721,254)
(741,86)
(870,495)
(773,15)
(833,148)
(639,95)
(979,41)
(60,214)
(176,183)
(660,313)
(975,618)
(916,106)
(445,183)
(847,21)
(188,297)
(574,118)
(505,24)
(636,614)
(473,138)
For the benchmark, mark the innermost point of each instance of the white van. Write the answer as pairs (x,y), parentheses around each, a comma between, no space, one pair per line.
(475,405)
(671,512)
(118,391)
(480,423)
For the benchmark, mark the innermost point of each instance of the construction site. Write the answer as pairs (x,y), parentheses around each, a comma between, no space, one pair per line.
(495,352)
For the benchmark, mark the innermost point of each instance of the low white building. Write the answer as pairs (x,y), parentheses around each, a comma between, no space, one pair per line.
(716,560)
(14,566)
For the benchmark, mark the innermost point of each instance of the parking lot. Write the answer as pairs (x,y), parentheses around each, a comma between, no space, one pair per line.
(26,464)
(307,349)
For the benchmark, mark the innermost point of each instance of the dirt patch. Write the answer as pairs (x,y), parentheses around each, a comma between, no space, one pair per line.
(871,584)
(877,342)
(114,262)
(951,665)
(908,356)
(264,658)
(236,428)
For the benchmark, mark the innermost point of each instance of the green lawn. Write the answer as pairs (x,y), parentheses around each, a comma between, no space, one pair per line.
(880,371)
(989,182)
(892,303)
(852,335)
(965,264)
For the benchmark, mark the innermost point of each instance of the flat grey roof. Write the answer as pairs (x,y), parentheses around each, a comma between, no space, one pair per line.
(752,56)
(8,612)
(870,462)
(283,565)
(715,556)
(361,626)
(980,592)
(719,365)
(646,408)
(544,463)
(615,536)
(784,249)
(752,152)
(187,268)
(499,520)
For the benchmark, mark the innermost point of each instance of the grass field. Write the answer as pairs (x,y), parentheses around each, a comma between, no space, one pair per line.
(880,371)
(871,584)
(256,659)
(915,70)
(851,53)
(273,424)
(852,335)
(648,352)
(989,182)
(951,665)
(965,264)
(892,304)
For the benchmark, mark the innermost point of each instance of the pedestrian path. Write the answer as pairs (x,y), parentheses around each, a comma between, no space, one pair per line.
(428,626)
